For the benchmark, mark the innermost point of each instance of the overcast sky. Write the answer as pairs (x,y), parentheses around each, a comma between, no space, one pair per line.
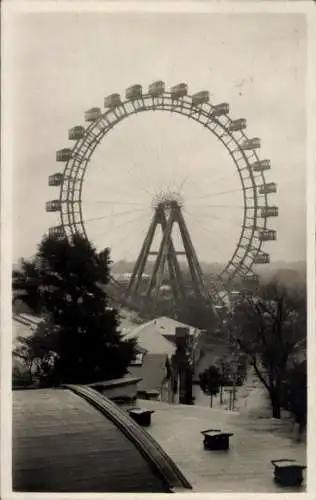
(66,63)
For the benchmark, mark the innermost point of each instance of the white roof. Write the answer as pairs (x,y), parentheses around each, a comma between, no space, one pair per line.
(21,330)
(149,337)
(167,326)
(246,468)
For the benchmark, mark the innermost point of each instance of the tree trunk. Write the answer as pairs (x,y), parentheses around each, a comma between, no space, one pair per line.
(234,393)
(276,407)
(221,395)
(230,405)
(30,372)
(211,401)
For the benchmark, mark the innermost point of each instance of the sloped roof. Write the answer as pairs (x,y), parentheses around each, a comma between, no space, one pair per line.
(152,372)
(76,440)
(24,324)
(245,468)
(168,325)
(21,329)
(149,337)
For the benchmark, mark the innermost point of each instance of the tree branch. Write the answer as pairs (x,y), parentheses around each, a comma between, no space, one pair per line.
(254,363)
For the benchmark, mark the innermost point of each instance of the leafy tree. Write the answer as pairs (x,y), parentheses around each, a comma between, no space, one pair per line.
(269,329)
(84,337)
(26,283)
(210,381)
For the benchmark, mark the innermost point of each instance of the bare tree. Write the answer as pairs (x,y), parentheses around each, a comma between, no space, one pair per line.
(270,329)
(210,381)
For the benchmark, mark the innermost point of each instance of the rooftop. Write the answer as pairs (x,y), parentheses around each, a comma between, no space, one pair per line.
(77,429)
(75,440)
(150,338)
(168,325)
(245,468)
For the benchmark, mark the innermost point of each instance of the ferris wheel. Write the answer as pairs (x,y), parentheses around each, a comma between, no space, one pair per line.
(242,152)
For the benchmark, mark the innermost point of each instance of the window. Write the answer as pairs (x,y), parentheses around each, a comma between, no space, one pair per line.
(138,361)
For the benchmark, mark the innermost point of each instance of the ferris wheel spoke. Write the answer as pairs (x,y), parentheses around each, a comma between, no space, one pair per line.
(207,236)
(125,238)
(215,181)
(229,207)
(114,214)
(111,217)
(95,219)
(119,226)
(220,193)
(222,179)
(210,214)
(122,191)
(133,176)
(214,243)
(128,212)
(232,217)
(182,183)
(129,221)
(215,220)
(114,202)
(189,180)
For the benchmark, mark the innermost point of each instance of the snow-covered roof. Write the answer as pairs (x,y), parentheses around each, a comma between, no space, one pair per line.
(168,326)
(246,468)
(23,325)
(150,337)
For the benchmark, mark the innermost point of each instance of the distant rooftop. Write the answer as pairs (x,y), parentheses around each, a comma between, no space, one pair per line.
(168,325)
(150,338)
(23,325)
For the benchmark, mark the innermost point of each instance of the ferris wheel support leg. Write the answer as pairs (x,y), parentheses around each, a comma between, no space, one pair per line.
(194,266)
(173,264)
(142,259)
(158,272)
(175,274)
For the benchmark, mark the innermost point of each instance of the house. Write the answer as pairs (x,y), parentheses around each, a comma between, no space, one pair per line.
(152,370)
(151,339)
(168,328)
(159,334)
(156,345)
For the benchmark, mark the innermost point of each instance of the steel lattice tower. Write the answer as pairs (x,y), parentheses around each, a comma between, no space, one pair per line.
(167,214)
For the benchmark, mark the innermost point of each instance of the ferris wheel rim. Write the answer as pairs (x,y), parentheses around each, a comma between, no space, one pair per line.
(77,174)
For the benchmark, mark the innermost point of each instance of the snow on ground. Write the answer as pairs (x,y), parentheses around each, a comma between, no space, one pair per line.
(250,398)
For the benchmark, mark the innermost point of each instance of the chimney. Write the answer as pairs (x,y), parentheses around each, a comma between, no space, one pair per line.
(182,335)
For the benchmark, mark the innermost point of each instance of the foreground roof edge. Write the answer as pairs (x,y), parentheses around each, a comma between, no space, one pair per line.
(160,462)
